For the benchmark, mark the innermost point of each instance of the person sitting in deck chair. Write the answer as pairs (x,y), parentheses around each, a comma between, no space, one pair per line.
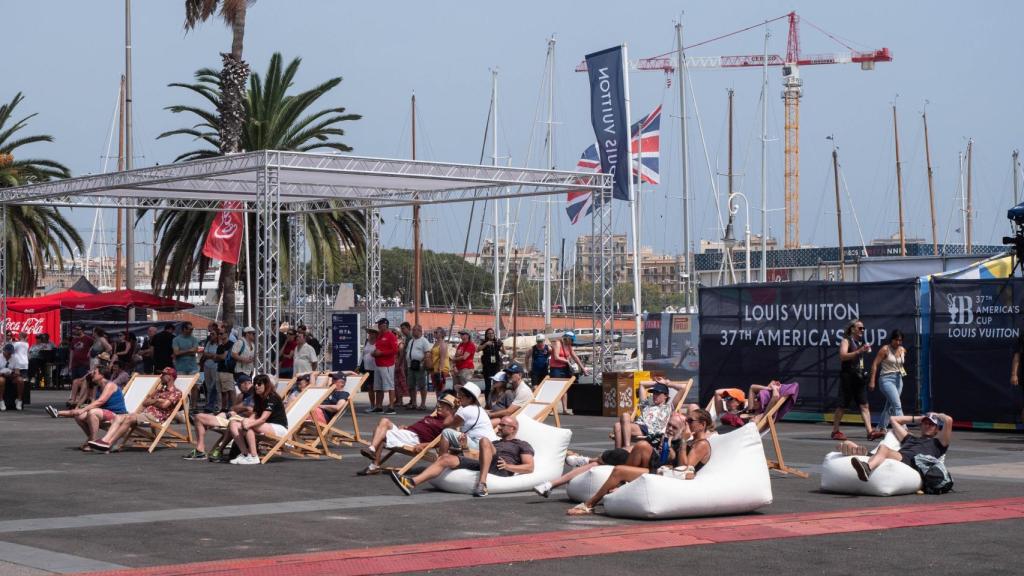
(241,410)
(936,434)
(336,402)
(107,404)
(655,409)
(418,434)
(301,383)
(154,410)
(688,460)
(512,377)
(506,457)
(268,417)
(644,454)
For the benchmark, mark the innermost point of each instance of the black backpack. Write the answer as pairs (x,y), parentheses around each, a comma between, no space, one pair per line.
(934,476)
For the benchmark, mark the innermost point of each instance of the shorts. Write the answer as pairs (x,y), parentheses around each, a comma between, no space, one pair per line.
(397,437)
(439,380)
(464,375)
(78,372)
(852,390)
(222,420)
(473,464)
(614,457)
(384,378)
(226,381)
(107,415)
(368,383)
(417,380)
(560,372)
(279,430)
(144,418)
(454,438)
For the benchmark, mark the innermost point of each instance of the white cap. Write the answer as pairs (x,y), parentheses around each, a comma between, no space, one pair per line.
(499,377)
(473,390)
(541,338)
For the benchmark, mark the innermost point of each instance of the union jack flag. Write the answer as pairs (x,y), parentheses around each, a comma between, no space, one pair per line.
(581,202)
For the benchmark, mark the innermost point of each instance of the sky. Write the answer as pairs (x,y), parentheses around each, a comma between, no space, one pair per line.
(959,58)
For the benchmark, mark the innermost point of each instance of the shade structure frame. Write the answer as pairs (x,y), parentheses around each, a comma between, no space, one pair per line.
(271,184)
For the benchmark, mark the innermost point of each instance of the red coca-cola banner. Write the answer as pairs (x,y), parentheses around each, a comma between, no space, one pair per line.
(225,237)
(34,324)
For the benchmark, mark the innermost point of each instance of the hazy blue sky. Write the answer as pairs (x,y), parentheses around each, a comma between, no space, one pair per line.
(66,56)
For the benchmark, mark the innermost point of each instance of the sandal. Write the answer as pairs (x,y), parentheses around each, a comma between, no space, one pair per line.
(580,509)
(85,447)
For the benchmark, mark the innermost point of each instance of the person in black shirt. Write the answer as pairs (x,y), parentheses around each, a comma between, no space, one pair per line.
(490,360)
(225,369)
(268,417)
(163,349)
(936,434)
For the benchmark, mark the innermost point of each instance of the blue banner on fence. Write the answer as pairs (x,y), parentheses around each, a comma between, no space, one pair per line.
(975,329)
(608,116)
(345,341)
(755,333)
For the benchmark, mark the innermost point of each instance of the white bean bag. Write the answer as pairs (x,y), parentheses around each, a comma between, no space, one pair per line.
(891,478)
(734,481)
(549,446)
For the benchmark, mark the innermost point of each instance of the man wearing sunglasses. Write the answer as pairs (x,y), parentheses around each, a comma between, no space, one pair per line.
(853,381)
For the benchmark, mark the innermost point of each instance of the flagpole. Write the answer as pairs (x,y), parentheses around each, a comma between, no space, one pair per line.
(637,308)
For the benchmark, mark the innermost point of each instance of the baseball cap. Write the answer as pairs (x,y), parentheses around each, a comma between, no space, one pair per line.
(466,332)
(242,377)
(383,321)
(8,347)
(541,338)
(249,329)
(659,388)
(569,334)
(447,400)
(371,329)
(514,368)
(934,419)
(171,371)
(735,394)
(499,377)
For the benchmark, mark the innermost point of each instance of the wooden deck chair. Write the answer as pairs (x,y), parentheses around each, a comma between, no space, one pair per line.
(135,391)
(684,393)
(153,436)
(298,411)
(329,430)
(323,380)
(428,453)
(546,399)
(766,425)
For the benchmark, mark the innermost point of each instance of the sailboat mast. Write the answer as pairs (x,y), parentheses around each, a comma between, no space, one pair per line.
(494,162)
(547,200)
(417,249)
(839,211)
(764,158)
(931,186)
(899,182)
(119,242)
(970,204)
(1015,157)
(681,80)
(129,233)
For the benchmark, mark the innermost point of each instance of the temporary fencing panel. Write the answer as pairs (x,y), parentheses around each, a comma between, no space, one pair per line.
(754,333)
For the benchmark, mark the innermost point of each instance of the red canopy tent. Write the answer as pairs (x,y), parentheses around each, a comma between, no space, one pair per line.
(38,315)
(123,299)
(40,304)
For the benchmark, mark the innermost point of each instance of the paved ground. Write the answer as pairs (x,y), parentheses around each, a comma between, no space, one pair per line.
(64,511)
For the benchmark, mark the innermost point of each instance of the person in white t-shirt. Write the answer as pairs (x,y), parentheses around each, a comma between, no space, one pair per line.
(470,425)
(512,376)
(305,355)
(21,353)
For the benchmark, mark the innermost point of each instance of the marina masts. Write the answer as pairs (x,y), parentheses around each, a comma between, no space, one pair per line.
(839,210)
(931,185)
(899,182)
(764,158)
(970,203)
(417,249)
(494,161)
(129,235)
(547,201)
(681,80)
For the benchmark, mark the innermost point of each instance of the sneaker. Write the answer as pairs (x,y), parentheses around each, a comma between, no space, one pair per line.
(369,410)
(250,460)
(239,459)
(838,435)
(575,460)
(862,468)
(51,411)
(543,489)
(390,411)
(377,409)
(480,491)
(3,406)
(367,453)
(194,455)
(403,482)
(369,470)
(17,404)
(215,454)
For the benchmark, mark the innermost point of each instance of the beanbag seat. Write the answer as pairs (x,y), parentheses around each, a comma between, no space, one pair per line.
(549,446)
(891,478)
(734,481)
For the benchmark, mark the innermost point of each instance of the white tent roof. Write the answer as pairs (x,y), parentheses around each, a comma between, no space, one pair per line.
(307,182)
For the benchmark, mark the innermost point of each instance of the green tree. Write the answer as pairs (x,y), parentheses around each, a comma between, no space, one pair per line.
(275,120)
(35,235)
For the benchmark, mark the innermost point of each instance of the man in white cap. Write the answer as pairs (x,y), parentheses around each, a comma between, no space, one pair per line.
(540,354)
(936,434)
(512,377)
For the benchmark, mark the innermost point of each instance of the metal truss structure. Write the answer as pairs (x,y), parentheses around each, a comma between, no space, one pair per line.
(604,284)
(272,184)
(297,268)
(374,302)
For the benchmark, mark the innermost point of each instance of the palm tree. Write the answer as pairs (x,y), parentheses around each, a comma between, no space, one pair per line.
(35,234)
(234,71)
(275,120)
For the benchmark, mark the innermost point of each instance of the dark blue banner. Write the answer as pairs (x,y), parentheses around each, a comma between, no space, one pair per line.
(345,341)
(608,116)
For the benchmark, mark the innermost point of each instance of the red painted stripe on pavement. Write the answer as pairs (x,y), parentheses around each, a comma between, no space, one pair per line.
(591,542)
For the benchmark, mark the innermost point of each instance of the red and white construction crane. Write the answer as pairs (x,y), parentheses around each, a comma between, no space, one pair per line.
(792,90)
